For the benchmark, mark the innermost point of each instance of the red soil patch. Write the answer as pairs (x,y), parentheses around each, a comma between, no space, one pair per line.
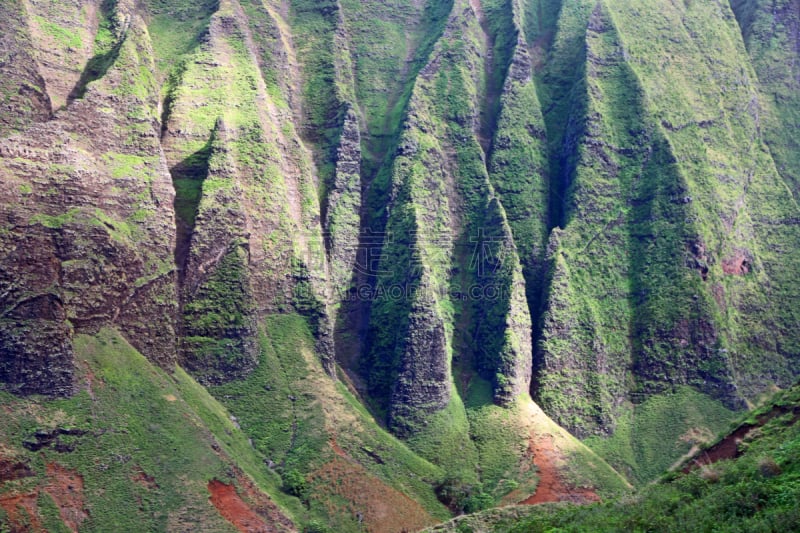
(21,513)
(262,516)
(66,488)
(738,265)
(232,507)
(263,505)
(336,449)
(381,508)
(552,487)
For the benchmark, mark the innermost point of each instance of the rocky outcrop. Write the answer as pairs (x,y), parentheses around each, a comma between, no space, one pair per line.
(218,322)
(650,203)
(87,227)
(63,43)
(448,237)
(423,382)
(503,322)
(23,92)
(342,220)
(252,235)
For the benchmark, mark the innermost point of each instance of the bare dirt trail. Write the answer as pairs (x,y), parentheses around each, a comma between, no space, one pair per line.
(552,487)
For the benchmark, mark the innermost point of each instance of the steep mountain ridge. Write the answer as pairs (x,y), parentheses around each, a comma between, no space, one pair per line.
(87,204)
(463,202)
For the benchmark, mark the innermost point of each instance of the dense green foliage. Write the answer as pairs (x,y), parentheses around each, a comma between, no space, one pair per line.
(756,491)
(395,226)
(655,434)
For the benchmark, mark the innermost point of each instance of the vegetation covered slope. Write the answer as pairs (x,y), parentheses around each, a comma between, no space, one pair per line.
(415,217)
(747,481)
(135,449)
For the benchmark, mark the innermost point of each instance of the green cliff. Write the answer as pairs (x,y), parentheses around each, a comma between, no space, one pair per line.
(383,255)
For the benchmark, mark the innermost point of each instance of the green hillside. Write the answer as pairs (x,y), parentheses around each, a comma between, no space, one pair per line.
(338,265)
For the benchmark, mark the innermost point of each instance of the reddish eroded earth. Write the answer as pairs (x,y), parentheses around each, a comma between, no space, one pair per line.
(738,265)
(142,478)
(728,447)
(21,512)
(232,507)
(66,488)
(551,487)
(20,509)
(349,488)
(260,516)
(336,448)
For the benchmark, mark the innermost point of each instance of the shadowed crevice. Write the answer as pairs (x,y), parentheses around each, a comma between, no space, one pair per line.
(98,65)
(188,177)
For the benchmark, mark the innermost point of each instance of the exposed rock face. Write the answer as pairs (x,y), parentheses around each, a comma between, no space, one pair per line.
(503,323)
(36,348)
(87,223)
(516,191)
(342,221)
(448,237)
(423,381)
(219,328)
(62,35)
(251,241)
(23,94)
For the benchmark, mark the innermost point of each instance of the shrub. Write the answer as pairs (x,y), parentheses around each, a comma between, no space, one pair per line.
(294,483)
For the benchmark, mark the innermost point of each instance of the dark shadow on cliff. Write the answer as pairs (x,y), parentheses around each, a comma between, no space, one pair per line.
(379,150)
(188,177)
(565,115)
(98,66)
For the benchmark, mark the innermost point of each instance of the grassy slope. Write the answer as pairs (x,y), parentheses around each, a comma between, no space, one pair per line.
(757,491)
(139,419)
(176,28)
(652,435)
(294,413)
(740,204)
